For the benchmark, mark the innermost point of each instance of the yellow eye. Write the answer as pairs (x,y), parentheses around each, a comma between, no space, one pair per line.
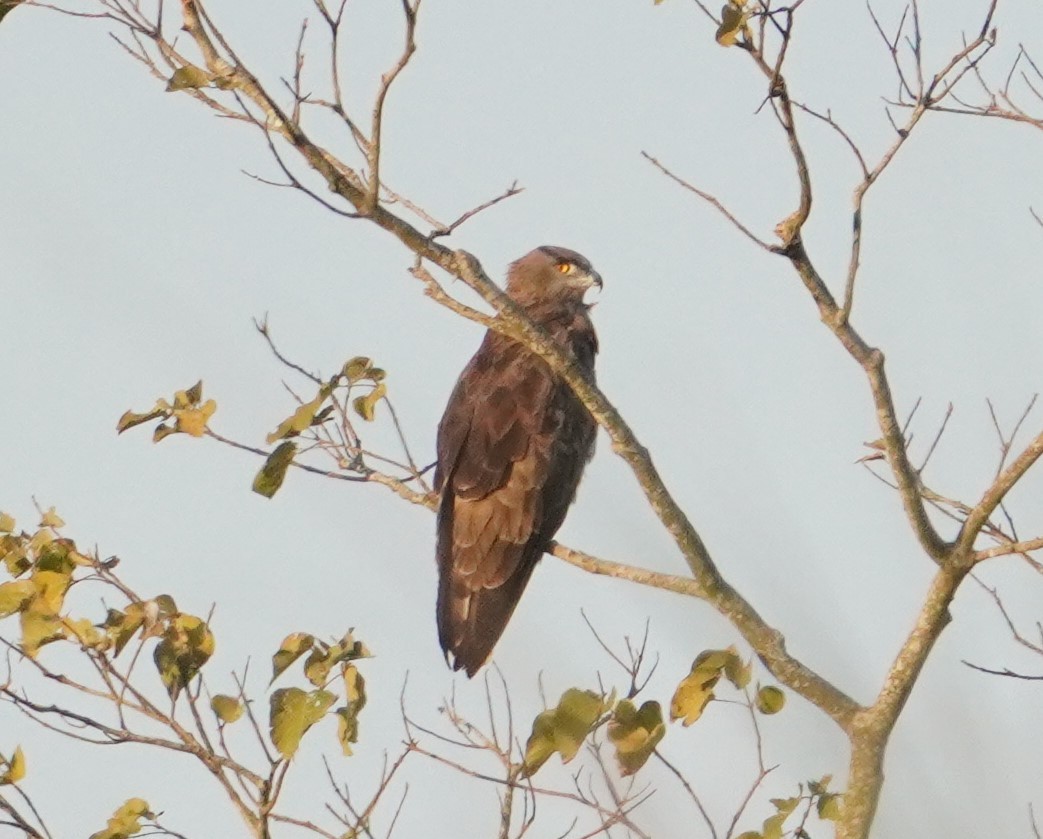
(566,267)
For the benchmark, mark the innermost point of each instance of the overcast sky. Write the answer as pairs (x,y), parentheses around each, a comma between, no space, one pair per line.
(134,253)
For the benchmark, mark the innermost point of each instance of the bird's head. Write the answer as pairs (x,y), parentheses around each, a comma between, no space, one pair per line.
(551,274)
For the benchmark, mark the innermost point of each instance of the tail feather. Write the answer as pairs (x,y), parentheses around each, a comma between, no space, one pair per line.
(471,620)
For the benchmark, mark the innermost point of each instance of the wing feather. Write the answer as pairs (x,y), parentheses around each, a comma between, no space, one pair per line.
(511,448)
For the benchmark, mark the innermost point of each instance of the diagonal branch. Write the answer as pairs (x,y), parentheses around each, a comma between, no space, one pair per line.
(993,497)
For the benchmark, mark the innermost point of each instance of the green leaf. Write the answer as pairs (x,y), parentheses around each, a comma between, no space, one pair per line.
(785,805)
(348,715)
(126,821)
(563,728)
(635,732)
(366,406)
(733,24)
(273,473)
(15,770)
(6,522)
(749,834)
(187,77)
(770,699)
(226,708)
(292,648)
(828,806)
(186,646)
(293,712)
(14,596)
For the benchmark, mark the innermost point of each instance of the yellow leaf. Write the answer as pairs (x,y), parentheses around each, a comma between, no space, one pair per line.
(80,560)
(13,553)
(696,690)
(300,419)
(82,630)
(635,732)
(293,646)
(126,821)
(15,770)
(14,596)
(6,523)
(366,406)
(773,825)
(51,519)
(41,538)
(193,420)
(39,627)
(348,715)
(50,590)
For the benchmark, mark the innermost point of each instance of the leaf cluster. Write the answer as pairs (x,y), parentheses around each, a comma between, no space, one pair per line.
(635,731)
(186,413)
(332,673)
(813,797)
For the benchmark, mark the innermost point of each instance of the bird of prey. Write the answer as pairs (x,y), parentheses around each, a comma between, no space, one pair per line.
(512,446)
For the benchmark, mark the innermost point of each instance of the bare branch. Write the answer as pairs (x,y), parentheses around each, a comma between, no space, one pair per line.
(707,197)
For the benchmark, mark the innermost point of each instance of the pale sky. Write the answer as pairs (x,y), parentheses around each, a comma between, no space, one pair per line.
(134,253)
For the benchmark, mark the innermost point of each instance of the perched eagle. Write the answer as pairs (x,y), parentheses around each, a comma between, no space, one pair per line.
(512,446)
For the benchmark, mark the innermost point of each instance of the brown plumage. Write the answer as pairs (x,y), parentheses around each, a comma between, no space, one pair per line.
(512,446)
